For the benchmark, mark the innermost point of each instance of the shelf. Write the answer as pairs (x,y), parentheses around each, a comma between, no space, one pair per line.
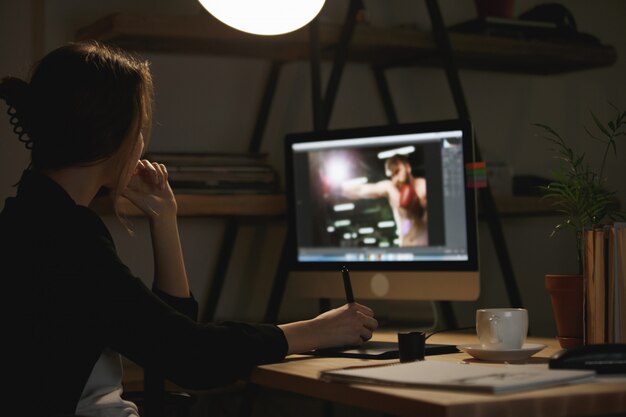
(190,205)
(202,34)
(518,206)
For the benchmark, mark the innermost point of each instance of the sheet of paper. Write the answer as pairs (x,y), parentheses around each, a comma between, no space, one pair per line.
(446,375)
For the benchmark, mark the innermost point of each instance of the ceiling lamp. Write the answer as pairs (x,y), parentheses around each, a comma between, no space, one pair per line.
(264,17)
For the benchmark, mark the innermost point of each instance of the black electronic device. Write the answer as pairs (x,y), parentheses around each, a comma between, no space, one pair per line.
(379,350)
(394,204)
(602,358)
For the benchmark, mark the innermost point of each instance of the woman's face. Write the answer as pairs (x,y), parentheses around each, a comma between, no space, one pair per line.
(133,159)
(123,164)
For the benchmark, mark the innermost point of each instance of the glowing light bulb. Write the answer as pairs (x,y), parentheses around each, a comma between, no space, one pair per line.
(264,17)
(337,170)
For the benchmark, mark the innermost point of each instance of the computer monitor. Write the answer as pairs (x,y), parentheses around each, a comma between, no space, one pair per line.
(392,203)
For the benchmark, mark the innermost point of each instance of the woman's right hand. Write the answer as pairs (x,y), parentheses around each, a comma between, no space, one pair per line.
(150,191)
(348,325)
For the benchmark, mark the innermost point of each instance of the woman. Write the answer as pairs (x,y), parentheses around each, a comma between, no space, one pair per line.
(84,115)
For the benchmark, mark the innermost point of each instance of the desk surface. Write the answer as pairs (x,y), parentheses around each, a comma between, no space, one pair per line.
(300,374)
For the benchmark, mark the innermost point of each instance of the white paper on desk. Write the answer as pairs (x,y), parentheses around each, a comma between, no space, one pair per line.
(447,375)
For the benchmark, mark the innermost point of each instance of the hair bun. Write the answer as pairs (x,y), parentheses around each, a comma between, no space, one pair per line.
(16,93)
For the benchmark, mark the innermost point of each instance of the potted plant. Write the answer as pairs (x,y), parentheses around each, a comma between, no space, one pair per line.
(580,194)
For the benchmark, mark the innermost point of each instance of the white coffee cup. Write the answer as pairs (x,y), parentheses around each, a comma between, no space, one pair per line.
(501,328)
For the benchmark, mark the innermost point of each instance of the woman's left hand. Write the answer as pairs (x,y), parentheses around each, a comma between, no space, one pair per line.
(149,190)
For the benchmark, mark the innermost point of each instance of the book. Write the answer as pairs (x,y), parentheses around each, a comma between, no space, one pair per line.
(206,158)
(610,286)
(207,187)
(505,27)
(523,29)
(220,168)
(218,173)
(604,277)
(598,317)
(588,289)
(458,376)
(619,282)
(595,285)
(224,177)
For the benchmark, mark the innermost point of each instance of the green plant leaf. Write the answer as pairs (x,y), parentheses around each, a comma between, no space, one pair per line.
(578,191)
(592,135)
(600,125)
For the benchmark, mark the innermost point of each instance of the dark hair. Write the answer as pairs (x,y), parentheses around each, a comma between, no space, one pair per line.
(83,100)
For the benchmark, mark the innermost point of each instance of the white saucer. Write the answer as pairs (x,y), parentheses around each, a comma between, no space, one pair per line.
(526,351)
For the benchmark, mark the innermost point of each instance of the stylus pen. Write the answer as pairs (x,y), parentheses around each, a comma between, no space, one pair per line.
(347,285)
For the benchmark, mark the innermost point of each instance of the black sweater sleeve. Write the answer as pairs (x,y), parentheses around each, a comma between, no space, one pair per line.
(68,296)
(127,317)
(187,306)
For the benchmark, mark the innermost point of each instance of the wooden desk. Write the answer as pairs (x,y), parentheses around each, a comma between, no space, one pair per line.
(300,374)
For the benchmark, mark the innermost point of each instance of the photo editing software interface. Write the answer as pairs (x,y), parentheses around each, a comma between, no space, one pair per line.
(384,197)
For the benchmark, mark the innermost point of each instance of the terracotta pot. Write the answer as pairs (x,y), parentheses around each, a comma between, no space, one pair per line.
(566,293)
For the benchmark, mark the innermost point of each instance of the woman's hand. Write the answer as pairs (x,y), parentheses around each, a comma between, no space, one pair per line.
(149,190)
(349,325)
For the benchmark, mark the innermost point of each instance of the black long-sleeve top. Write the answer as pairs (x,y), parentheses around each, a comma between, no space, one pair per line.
(68,295)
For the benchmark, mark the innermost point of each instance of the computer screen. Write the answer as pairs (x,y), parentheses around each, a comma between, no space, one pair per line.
(392,203)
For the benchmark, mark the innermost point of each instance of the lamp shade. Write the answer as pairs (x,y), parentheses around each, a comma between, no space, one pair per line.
(264,17)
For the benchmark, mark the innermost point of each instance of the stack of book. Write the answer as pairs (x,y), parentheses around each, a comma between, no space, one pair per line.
(218,173)
(522,29)
(605,283)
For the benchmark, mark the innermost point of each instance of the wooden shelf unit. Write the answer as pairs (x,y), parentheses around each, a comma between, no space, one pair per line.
(275,205)
(517,206)
(387,47)
(379,47)
(189,205)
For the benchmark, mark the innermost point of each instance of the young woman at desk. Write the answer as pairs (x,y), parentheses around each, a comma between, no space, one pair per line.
(84,116)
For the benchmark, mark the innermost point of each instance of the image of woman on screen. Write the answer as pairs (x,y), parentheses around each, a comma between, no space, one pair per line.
(406,195)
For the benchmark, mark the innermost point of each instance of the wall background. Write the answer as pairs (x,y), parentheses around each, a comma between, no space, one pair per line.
(209,104)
